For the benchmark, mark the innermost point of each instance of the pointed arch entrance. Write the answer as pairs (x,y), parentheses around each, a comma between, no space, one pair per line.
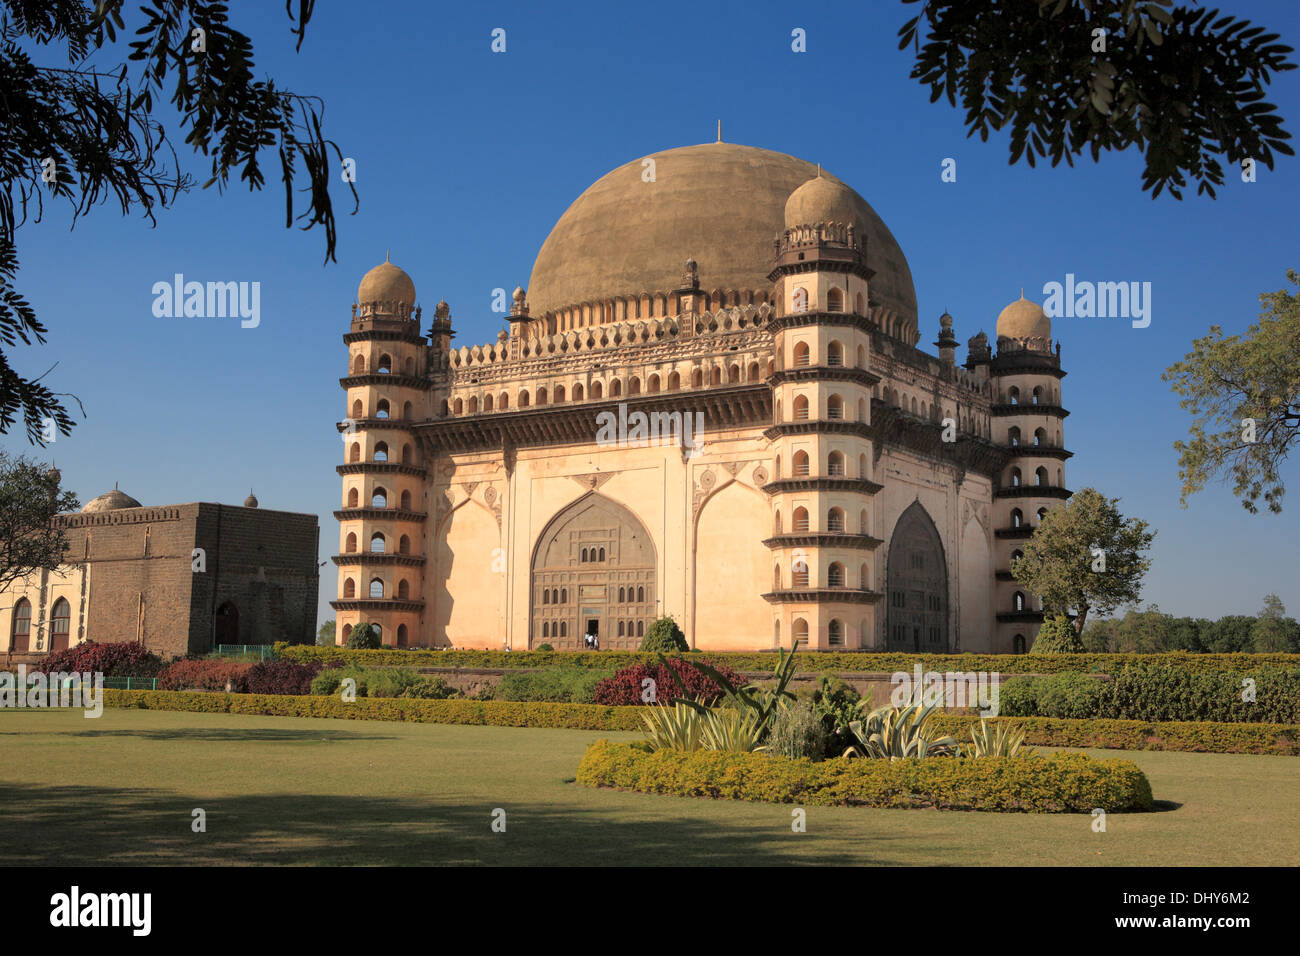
(593,574)
(918,585)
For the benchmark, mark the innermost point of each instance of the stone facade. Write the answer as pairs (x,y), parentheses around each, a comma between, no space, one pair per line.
(133,575)
(821,478)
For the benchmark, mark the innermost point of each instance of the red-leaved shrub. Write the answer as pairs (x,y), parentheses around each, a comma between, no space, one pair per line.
(625,687)
(213,674)
(280,677)
(125,659)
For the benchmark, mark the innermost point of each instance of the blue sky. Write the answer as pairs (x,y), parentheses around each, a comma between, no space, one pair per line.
(466,158)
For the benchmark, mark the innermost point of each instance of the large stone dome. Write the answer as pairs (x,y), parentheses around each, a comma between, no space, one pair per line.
(110,501)
(1024,319)
(386,283)
(720,204)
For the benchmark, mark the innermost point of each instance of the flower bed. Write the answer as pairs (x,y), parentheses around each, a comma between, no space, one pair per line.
(1058,783)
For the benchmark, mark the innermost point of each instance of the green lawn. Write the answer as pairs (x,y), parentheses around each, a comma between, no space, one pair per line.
(280,790)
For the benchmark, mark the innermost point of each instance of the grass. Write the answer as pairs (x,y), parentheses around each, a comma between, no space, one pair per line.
(120,790)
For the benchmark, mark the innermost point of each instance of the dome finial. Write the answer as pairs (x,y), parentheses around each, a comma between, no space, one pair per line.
(719,131)
(819,170)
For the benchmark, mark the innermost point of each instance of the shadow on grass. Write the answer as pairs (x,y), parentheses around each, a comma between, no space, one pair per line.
(128,827)
(234,734)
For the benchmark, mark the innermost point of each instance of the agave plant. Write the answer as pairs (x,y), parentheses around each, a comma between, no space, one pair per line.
(731,730)
(674,728)
(895,734)
(761,701)
(998,740)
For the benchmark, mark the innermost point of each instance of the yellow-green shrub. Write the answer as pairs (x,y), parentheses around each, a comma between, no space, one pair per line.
(764,662)
(1058,783)
(493,713)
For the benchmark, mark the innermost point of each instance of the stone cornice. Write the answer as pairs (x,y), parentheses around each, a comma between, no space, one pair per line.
(364,558)
(1003,411)
(385,335)
(379,514)
(825,539)
(823,596)
(827,483)
(1033,491)
(386,378)
(820,426)
(379,468)
(378,604)
(824,373)
(723,407)
(802,320)
(1019,452)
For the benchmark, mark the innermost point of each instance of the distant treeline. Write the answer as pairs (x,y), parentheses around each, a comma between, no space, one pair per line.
(1150,631)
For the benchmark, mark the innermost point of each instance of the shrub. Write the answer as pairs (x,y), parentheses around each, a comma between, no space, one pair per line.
(625,688)
(572,684)
(1059,783)
(544,647)
(479,713)
(836,705)
(280,677)
(205,674)
(1057,635)
(764,661)
(1018,697)
(664,637)
(1149,691)
(118,659)
(1071,695)
(364,637)
(798,731)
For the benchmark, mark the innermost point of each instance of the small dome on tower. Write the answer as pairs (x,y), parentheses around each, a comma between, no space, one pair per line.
(110,501)
(386,283)
(1023,319)
(251,500)
(821,199)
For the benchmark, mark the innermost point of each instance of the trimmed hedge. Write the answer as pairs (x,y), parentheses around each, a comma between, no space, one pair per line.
(1185,736)
(1057,783)
(1195,737)
(1149,691)
(808,661)
(488,713)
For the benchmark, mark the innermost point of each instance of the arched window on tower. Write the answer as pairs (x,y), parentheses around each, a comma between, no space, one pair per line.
(379,499)
(801,464)
(1017,518)
(802,355)
(349,588)
(835,355)
(835,300)
(1020,601)
(1040,476)
(1013,395)
(376,588)
(835,634)
(385,366)
(801,408)
(835,575)
(835,464)
(1013,436)
(800,520)
(1015,477)
(354,500)
(835,521)
(381,410)
(377,543)
(351,545)
(835,408)
(381,451)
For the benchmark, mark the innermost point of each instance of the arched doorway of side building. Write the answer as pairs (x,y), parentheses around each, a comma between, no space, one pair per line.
(225,629)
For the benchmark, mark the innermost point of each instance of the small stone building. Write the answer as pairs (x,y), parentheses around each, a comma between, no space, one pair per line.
(179,579)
